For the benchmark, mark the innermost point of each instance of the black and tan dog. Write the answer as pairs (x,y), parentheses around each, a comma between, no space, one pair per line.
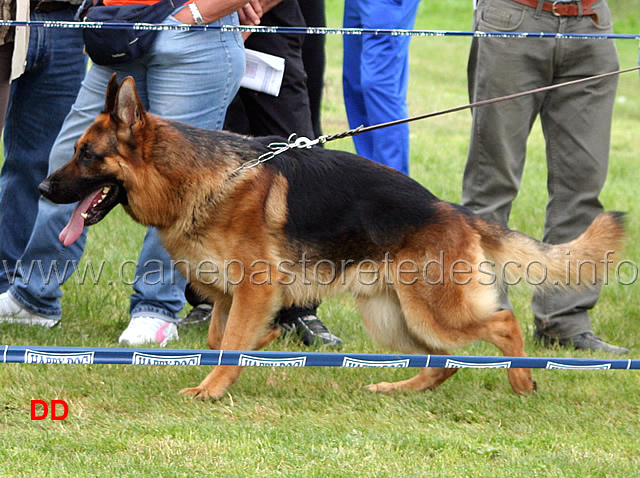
(310,223)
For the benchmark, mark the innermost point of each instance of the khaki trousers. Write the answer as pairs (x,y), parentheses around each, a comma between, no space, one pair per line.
(576,121)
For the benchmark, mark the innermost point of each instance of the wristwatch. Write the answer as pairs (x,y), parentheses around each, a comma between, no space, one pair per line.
(195,12)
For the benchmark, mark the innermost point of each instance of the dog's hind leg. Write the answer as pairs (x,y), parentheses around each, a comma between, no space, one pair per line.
(503,330)
(247,328)
(428,378)
(272,333)
(464,321)
(385,322)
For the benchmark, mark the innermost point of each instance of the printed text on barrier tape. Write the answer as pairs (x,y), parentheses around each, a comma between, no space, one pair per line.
(80,355)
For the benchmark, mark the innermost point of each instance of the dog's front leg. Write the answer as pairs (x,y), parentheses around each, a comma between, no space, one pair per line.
(218,321)
(247,328)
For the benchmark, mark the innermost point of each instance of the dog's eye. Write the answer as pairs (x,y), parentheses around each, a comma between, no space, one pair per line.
(87,155)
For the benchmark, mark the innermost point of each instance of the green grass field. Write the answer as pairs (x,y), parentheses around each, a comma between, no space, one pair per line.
(318,422)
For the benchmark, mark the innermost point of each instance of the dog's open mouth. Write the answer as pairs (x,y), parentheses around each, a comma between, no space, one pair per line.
(91,210)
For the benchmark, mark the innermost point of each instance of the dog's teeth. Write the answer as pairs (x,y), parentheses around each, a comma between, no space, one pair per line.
(105,191)
(84,215)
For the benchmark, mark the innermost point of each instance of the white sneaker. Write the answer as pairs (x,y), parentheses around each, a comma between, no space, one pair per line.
(144,330)
(12,312)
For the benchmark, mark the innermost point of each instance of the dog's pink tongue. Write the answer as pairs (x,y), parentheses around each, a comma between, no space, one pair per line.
(73,230)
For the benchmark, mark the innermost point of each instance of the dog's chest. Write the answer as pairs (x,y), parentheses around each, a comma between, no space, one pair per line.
(193,259)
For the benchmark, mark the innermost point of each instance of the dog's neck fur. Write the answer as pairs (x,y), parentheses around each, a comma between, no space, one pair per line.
(210,159)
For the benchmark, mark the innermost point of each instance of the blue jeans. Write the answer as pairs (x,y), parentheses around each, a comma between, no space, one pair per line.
(187,76)
(376,78)
(40,100)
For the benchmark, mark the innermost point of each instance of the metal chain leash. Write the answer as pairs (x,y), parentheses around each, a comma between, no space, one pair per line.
(277,148)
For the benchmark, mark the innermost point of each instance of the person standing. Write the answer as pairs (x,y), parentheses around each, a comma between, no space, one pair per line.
(576,122)
(187,76)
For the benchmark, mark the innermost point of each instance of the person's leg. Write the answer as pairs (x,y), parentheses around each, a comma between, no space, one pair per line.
(180,58)
(55,68)
(289,112)
(6,52)
(577,124)
(384,74)
(499,132)
(351,80)
(236,119)
(46,261)
(7,175)
(313,56)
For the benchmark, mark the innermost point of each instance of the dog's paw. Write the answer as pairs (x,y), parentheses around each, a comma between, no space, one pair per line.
(521,382)
(199,393)
(531,387)
(195,392)
(382,387)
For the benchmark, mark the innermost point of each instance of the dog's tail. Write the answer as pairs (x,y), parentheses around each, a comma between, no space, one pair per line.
(578,264)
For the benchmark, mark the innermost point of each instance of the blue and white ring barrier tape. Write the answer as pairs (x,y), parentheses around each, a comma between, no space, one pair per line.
(146,356)
(318,30)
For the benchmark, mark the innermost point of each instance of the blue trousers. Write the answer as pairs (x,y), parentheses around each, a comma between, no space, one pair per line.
(40,99)
(376,78)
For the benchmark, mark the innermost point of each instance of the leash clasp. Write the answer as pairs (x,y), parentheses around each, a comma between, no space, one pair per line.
(294,142)
(303,142)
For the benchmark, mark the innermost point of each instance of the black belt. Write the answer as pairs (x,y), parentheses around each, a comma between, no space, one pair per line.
(50,6)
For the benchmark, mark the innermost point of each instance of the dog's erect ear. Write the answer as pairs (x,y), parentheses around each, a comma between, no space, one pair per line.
(112,91)
(128,107)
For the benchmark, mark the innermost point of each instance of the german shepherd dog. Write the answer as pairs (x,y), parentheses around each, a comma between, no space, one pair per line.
(307,224)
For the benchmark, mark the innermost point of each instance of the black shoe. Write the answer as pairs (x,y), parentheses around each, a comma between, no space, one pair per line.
(311,330)
(200,314)
(584,341)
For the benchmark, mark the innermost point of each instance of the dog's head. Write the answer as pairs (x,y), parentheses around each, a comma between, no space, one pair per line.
(96,175)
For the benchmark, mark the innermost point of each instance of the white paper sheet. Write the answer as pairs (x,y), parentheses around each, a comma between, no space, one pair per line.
(263,72)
